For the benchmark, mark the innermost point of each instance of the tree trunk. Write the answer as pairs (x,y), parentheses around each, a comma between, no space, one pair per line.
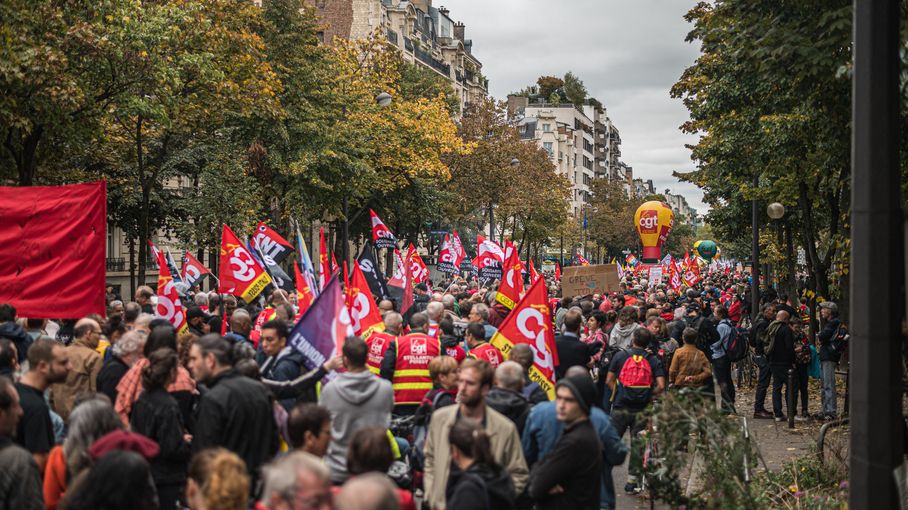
(146,201)
(790,280)
(26,161)
(815,266)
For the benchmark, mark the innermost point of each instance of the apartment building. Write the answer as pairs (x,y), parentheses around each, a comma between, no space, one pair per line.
(425,35)
(683,212)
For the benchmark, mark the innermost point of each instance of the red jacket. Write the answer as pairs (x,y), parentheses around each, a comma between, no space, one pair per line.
(487,352)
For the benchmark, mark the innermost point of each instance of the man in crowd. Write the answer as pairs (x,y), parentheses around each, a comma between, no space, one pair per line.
(20,480)
(406,365)
(829,356)
(283,363)
(479,313)
(240,327)
(571,351)
(309,428)
(13,331)
(143,299)
(543,429)
(780,352)
(634,377)
(379,341)
(479,347)
(85,363)
(296,481)
(236,411)
(197,320)
(473,383)
(434,310)
(355,399)
(764,376)
(523,355)
(720,361)
(571,474)
(369,491)
(47,364)
(505,396)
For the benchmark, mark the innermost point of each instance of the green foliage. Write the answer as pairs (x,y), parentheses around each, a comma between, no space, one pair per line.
(548,85)
(575,90)
(804,483)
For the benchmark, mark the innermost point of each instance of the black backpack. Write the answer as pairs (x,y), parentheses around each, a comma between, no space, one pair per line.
(737,343)
(705,336)
(839,342)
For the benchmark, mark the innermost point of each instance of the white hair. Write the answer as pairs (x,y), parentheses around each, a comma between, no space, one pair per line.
(282,475)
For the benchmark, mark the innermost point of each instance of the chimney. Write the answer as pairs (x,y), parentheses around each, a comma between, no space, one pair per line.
(459,30)
(443,10)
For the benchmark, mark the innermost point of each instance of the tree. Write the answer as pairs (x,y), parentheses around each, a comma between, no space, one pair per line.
(611,217)
(575,90)
(549,85)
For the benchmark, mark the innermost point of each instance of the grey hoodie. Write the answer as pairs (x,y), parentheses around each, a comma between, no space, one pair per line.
(355,400)
(622,336)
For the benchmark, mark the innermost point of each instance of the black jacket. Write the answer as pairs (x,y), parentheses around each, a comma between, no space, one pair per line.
(826,335)
(783,347)
(511,404)
(284,367)
(237,413)
(575,463)
(156,416)
(755,332)
(113,370)
(573,352)
(19,336)
(480,487)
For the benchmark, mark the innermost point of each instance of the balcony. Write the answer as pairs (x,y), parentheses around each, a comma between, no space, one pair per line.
(116,264)
(408,44)
(392,37)
(426,58)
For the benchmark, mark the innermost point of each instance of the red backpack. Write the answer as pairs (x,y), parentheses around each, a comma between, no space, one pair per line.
(635,381)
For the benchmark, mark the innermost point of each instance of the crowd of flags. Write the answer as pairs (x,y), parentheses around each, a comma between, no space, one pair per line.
(334,304)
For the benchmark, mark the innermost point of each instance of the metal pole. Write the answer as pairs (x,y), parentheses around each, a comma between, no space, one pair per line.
(491,221)
(755,255)
(877,265)
(346,232)
(790,394)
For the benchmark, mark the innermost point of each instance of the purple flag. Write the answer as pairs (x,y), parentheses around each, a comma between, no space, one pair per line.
(321,331)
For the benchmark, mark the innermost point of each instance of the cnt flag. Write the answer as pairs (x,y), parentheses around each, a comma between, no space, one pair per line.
(193,270)
(531,323)
(382,237)
(364,316)
(320,333)
(279,278)
(241,275)
(270,244)
(447,257)
(169,305)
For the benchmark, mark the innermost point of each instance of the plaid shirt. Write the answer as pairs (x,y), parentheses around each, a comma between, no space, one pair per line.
(130,388)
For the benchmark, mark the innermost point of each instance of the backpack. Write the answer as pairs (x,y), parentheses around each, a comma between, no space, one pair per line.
(839,343)
(635,380)
(736,345)
(768,336)
(705,339)
(421,419)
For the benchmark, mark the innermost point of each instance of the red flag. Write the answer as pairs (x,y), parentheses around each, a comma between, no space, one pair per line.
(686,260)
(304,296)
(457,246)
(381,235)
(675,276)
(334,266)
(271,244)
(192,269)
(418,269)
(557,271)
(511,288)
(534,275)
(447,257)
(364,316)
(324,270)
(531,323)
(241,275)
(169,305)
(406,301)
(398,279)
(583,261)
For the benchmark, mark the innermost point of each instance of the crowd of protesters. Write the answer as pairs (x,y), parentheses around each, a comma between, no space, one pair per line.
(124,412)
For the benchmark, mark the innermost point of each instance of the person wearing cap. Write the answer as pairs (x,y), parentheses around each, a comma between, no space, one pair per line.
(569,476)
(829,358)
(197,320)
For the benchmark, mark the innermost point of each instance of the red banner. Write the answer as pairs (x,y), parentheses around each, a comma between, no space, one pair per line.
(52,249)
(241,275)
(304,294)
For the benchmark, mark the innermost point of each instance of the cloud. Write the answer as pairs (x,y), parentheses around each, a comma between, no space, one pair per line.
(628,53)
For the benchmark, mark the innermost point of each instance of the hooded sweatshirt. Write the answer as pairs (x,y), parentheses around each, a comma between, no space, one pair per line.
(355,400)
(621,336)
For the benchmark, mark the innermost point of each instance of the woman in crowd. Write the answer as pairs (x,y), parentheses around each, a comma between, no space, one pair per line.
(217,481)
(156,415)
(370,451)
(623,332)
(479,483)
(119,480)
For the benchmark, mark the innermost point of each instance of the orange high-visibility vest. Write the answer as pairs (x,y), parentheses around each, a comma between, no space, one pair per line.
(411,378)
(376,345)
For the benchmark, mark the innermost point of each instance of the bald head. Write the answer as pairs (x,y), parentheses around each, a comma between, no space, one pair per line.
(385,306)
(434,310)
(782,316)
(393,322)
(369,491)
(240,322)
(523,355)
(577,370)
(89,330)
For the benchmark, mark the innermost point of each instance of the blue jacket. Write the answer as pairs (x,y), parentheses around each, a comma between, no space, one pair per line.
(543,429)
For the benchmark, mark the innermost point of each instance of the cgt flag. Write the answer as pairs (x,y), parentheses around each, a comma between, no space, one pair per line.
(418,268)
(304,295)
(364,316)
(320,333)
(583,261)
(531,323)
(169,305)
(511,288)
(324,269)
(241,275)
(381,235)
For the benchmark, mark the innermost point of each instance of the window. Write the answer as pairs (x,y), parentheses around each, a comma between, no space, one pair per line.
(546,128)
(548,146)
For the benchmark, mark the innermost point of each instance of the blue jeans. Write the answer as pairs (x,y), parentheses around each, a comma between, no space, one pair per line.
(827,379)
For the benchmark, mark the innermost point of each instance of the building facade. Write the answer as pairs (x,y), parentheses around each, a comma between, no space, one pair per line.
(683,212)
(426,36)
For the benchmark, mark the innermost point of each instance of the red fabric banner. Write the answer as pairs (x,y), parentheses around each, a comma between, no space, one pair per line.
(52,249)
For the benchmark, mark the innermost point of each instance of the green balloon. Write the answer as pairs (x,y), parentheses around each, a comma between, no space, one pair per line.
(706,249)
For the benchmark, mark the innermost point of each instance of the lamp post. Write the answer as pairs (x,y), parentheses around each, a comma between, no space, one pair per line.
(755,256)
(775,211)
(383,99)
(514,163)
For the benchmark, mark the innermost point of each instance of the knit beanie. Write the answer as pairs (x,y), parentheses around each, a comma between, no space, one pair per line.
(583,389)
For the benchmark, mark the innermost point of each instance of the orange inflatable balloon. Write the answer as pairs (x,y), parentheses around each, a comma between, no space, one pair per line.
(654,221)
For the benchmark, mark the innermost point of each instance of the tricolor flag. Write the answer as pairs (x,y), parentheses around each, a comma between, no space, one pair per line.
(169,305)
(381,235)
(241,275)
(530,322)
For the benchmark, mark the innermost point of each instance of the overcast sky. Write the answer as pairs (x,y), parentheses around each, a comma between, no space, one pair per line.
(627,52)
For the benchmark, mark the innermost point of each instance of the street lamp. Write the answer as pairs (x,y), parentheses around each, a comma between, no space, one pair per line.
(775,210)
(514,163)
(383,99)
